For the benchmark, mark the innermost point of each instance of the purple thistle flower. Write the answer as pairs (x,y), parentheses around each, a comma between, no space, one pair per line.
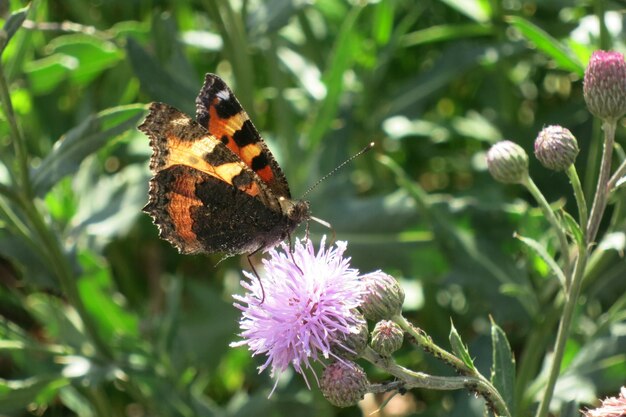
(309,306)
(611,407)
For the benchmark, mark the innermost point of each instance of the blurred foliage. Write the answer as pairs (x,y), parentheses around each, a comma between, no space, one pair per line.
(98,317)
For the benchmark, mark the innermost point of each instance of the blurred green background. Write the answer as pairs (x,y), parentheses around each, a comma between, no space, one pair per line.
(98,317)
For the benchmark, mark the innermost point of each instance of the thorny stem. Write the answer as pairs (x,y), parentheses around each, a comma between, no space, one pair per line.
(602,188)
(564,327)
(480,384)
(412,379)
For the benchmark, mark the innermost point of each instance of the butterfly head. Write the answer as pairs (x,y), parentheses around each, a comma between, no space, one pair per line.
(297,211)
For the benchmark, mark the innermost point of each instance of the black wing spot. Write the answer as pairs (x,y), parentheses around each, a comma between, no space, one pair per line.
(246,135)
(227,108)
(259,162)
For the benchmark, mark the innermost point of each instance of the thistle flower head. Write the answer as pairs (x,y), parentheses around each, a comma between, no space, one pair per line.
(604,85)
(556,148)
(344,383)
(507,162)
(310,304)
(611,407)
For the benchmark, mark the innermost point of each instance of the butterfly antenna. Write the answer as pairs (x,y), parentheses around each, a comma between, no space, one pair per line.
(359,153)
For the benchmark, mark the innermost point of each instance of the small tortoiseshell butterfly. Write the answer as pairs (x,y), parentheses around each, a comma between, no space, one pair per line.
(216,186)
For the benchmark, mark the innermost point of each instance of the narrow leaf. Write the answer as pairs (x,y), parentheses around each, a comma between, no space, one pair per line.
(543,254)
(81,141)
(16,395)
(459,348)
(159,84)
(573,227)
(12,24)
(561,54)
(503,366)
(343,54)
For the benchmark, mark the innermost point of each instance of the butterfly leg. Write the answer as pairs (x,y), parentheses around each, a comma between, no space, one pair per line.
(250,255)
(291,251)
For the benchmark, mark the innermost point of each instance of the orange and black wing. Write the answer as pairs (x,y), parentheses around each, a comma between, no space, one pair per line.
(219,111)
(202,197)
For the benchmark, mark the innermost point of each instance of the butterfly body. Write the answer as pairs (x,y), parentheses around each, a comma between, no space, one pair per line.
(216,186)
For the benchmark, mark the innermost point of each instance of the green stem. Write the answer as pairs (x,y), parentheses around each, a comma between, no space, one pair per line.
(619,173)
(600,199)
(18,140)
(563,331)
(414,379)
(578,195)
(483,386)
(554,222)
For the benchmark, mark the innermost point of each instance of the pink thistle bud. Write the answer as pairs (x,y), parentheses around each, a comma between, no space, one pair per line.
(604,85)
(344,383)
(556,148)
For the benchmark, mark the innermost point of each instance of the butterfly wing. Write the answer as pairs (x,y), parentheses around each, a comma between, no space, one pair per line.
(219,111)
(203,197)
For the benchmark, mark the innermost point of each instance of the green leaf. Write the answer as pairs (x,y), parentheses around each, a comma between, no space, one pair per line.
(558,51)
(503,365)
(109,204)
(16,395)
(459,348)
(272,15)
(383,22)
(96,290)
(12,24)
(540,250)
(478,10)
(342,57)
(446,33)
(573,227)
(47,73)
(157,83)
(94,55)
(81,141)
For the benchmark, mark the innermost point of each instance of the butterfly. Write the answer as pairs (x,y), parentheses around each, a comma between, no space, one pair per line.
(216,186)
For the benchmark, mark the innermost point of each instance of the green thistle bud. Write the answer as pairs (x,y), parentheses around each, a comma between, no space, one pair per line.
(508,162)
(353,344)
(387,337)
(383,296)
(344,384)
(604,85)
(556,148)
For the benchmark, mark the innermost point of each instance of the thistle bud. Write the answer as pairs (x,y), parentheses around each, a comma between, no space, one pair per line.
(604,85)
(343,384)
(556,148)
(507,162)
(353,344)
(383,296)
(387,337)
